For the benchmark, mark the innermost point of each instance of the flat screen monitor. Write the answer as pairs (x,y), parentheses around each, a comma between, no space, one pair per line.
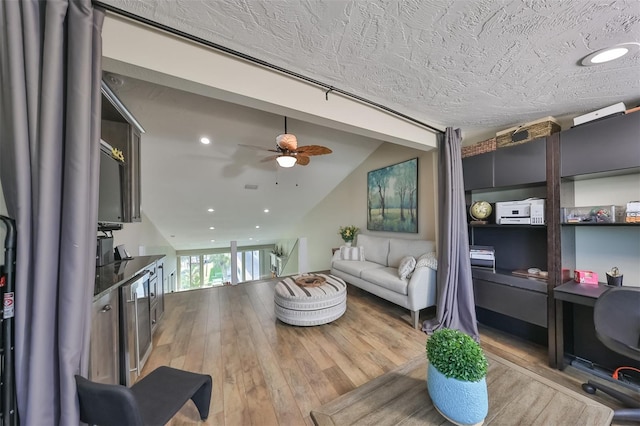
(110,203)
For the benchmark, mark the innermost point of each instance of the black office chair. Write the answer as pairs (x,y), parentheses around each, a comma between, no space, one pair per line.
(153,400)
(616,317)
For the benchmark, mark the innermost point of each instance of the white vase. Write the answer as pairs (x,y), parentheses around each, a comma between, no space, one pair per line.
(347,243)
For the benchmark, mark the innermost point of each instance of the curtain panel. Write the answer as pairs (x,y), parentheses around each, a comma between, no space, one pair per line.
(50,72)
(455,304)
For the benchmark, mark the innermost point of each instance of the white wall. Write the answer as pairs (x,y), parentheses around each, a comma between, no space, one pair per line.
(347,204)
(143,239)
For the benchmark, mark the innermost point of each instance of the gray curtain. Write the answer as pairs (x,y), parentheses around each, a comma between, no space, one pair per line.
(455,303)
(50,53)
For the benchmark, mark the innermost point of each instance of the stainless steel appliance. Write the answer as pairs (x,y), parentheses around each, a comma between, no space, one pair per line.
(135,326)
(104,255)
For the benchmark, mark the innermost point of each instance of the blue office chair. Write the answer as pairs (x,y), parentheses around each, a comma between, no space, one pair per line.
(153,400)
(616,316)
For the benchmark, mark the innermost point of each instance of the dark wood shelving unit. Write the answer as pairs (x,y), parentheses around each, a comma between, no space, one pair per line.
(603,149)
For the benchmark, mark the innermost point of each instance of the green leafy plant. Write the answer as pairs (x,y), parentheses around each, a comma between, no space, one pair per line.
(348,233)
(455,354)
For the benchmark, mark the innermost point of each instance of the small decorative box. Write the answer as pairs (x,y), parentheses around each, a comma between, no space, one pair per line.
(585,277)
(527,132)
(479,148)
(593,214)
(633,212)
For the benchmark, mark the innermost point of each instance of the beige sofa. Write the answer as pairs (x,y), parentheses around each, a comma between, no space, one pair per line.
(376,270)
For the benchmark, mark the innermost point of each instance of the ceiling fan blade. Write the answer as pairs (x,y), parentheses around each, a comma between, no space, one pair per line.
(269,158)
(313,150)
(302,160)
(259,148)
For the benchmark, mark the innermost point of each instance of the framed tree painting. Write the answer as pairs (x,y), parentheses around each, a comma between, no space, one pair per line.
(392,198)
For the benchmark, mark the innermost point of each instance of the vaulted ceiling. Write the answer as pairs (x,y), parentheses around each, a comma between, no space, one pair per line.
(482,65)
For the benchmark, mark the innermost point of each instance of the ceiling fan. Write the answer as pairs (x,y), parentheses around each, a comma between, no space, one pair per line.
(288,152)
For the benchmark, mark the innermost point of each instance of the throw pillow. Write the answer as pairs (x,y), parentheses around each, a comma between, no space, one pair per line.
(428,260)
(407,264)
(351,253)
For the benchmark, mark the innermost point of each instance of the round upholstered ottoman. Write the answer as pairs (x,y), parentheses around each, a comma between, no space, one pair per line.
(310,305)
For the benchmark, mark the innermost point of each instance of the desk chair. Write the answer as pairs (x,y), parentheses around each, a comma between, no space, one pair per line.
(616,316)
(153,400)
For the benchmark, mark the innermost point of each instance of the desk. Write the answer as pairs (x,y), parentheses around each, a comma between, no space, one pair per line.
(580,299)
(582,294)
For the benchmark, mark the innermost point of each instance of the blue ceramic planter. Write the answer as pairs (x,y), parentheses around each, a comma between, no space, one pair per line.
(464,403)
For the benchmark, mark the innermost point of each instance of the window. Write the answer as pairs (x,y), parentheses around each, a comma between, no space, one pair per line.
(214,269)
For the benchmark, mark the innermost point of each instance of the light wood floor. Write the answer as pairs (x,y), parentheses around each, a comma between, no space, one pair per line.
(268,373)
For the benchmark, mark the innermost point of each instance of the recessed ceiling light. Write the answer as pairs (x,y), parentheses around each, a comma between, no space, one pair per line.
(212,227)
(204,140)
(257,226)
(266,210)
(210,210)
(250,238)
(609,54)
(213,241)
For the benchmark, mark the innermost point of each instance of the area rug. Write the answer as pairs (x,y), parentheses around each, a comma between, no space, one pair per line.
(516,396)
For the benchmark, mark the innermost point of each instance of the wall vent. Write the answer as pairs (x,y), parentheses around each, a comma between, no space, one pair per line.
(247,186)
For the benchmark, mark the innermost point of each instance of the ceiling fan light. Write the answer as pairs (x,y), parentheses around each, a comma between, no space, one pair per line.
(287,141)
(286,161)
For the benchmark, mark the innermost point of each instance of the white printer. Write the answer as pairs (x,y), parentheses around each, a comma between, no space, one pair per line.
(525,212)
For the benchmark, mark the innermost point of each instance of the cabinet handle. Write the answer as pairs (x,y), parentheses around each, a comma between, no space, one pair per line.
(153,321)
(106,308)
(153,294)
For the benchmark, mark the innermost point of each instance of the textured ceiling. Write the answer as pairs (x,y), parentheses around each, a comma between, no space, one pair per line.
(480,65)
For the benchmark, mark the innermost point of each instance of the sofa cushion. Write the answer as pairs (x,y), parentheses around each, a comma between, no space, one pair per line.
(399,248)
(428,260)
(354,267)
(387,278)
(376,249)
(407,264)
(351,253)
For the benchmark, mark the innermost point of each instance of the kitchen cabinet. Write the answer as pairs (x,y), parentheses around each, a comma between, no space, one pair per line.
(122,131)
(126,138)
(104,343)
(122,305)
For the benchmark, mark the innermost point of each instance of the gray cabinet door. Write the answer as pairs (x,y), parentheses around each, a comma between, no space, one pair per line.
(126,138)
(600,146)
(104,353)
(521,164)
(478,171)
